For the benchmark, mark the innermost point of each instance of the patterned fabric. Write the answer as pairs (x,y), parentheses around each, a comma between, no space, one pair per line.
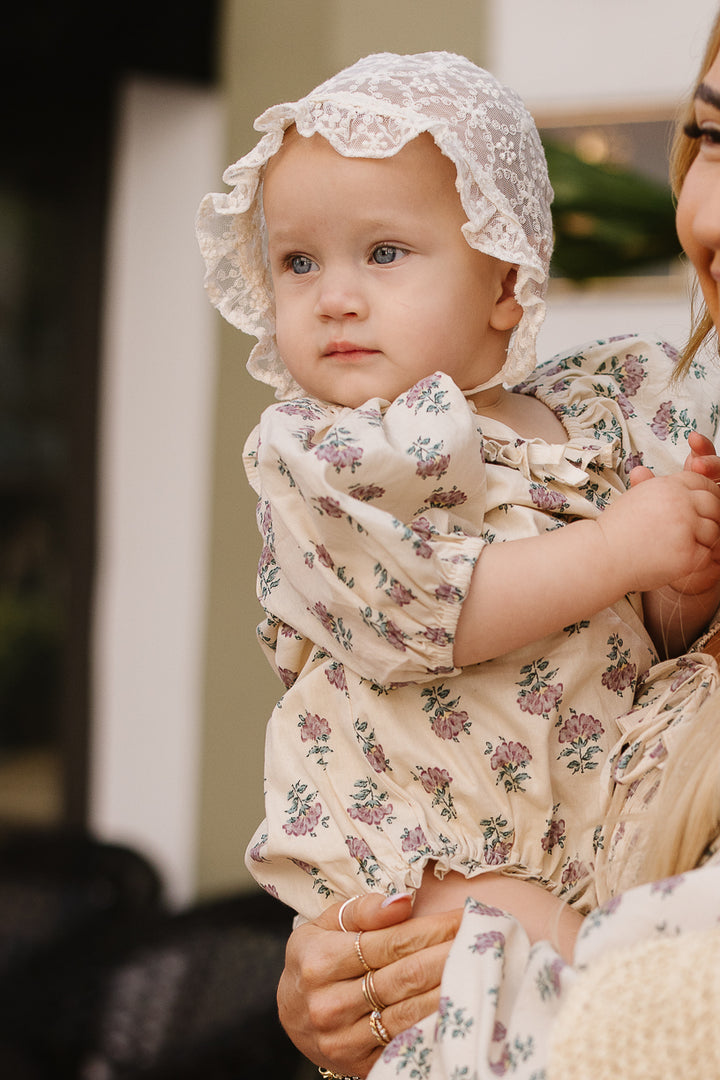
(381,755)
(371,110)
(503,1000)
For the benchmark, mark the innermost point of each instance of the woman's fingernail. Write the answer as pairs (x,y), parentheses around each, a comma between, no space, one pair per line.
(395,897)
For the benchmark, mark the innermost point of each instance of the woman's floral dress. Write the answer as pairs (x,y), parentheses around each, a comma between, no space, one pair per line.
(380,754)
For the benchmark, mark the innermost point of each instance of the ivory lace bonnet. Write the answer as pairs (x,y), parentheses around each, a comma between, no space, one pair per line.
(372,109)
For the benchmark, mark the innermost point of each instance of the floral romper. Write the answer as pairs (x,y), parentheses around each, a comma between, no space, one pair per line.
(381,755)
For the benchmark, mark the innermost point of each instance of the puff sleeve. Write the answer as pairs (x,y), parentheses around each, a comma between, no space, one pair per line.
(371,521)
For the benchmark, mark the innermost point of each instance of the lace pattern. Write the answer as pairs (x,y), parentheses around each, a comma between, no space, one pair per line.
(372,109)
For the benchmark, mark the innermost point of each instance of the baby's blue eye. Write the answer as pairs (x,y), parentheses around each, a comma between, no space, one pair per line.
(386,253)
(300,264)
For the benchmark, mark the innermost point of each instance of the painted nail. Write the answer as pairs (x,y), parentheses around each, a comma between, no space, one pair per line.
(395,897)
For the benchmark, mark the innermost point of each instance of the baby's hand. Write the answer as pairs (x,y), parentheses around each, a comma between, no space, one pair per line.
(667,531)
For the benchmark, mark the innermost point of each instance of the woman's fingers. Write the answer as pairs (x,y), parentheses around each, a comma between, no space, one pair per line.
(382,948)
(413,976)
(373,911)
(319,1009)
(408,989)
(407,1013)
(321,1000)
(373,915)
(316,958)
(355,1049)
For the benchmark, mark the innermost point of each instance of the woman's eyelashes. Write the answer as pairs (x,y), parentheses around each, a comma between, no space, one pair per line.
(704,134)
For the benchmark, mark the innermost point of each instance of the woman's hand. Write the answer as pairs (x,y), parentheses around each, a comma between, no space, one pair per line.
(320,996)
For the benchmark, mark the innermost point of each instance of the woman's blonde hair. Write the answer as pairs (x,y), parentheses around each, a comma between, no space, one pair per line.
(683,152)
(685,816)
(668,829)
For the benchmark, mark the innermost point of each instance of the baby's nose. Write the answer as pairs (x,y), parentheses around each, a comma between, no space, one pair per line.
(341,296)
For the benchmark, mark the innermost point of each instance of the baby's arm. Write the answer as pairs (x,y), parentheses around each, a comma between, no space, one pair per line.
(662,531)
(544,917)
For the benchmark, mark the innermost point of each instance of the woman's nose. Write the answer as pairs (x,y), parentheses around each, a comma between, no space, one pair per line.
(341,295)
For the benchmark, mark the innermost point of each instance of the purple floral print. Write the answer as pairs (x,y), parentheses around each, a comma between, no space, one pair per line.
(414,839)
(338,450)
(508,760)
(367,492)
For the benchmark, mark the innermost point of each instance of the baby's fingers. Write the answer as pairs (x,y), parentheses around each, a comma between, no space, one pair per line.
(641,473)
(702,458)
(707,536)
(700,444)
(707,502)
(708,466)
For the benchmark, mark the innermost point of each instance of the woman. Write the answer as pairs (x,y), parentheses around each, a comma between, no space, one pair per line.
(326,1004)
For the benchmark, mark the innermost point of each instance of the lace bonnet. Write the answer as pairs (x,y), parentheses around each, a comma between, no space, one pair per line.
(371,110)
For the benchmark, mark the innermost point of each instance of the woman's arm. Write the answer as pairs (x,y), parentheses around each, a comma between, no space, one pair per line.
(662,531)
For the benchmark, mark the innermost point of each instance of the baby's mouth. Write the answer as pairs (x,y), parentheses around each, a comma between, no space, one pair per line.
(348,350)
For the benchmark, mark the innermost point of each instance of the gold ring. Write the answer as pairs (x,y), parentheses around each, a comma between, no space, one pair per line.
(341,912)
(358,950)
(370,993)
(378,1028)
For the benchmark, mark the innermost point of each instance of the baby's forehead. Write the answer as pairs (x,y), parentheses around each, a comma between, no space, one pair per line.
(308,174)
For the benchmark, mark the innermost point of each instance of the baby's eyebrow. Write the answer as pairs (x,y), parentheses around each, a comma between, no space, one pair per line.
(708,94)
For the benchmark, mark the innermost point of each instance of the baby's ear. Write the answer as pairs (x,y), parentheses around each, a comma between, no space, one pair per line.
(507,312)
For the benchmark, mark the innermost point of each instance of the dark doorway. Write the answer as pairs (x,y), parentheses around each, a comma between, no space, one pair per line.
(60,67)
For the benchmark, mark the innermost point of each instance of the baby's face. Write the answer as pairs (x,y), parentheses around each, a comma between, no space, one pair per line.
(375,285)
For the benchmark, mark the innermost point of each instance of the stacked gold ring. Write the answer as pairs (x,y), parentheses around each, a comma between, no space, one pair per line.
(358,950)
(378,1028)
(370,993)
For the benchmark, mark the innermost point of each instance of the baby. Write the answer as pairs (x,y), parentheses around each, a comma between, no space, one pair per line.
(461,590)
